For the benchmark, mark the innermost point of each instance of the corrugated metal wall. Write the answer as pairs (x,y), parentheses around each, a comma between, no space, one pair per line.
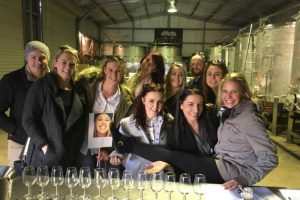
(11,36)
(59,27)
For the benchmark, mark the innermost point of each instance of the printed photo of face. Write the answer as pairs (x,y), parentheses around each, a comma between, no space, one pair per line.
(102,124)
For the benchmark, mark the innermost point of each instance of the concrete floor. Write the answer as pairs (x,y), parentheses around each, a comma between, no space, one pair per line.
(287,174)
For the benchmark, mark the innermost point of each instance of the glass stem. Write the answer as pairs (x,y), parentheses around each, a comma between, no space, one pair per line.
(156,195)
(29,190)
(42,191)
(142,194)
(99,191)
(127,194)
(71,191)
(56,190)
(184,197)
(170,195)
(84,192)
(113,194)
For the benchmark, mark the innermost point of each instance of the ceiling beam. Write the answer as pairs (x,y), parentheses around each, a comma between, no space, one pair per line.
(104,12)
(222,4)
(195,8)
(146,8)
(126,10)
(236,15)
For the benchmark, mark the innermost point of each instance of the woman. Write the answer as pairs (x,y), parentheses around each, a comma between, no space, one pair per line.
(175,83)
(105,93)
(54,122)
(193,130)
(102,125)
(244,153)
(152,70)
(147,123)
(214,72)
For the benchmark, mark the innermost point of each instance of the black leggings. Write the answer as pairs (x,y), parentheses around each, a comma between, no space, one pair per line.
(183,161)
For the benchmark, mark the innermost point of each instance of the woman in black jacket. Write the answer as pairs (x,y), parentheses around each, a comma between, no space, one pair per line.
(53,115)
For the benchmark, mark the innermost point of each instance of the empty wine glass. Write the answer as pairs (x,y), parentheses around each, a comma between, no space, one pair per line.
(199,183)
(170,183)
(85,180)
(57,179)
(157,183)
(127,180)
(29,179)
(141,182)
(114,181)
(42,174)
(185,184)
(71,180)
(100,181)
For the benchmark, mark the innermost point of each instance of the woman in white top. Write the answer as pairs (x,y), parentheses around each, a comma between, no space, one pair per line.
(146,123)
(105,93)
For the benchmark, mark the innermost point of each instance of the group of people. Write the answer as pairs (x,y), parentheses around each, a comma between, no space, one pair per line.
(207,125)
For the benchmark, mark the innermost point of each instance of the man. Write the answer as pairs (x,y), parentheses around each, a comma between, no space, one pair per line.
(197,65)
(13,90)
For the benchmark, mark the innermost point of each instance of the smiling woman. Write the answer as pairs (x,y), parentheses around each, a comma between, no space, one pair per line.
(55,121)
(105,93)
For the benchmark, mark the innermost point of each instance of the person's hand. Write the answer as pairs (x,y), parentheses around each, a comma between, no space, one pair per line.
(44,149)
(102,155)
(158,166)
(232,184)
(116,159)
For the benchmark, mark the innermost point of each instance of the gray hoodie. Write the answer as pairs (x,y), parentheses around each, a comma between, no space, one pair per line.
(244,149)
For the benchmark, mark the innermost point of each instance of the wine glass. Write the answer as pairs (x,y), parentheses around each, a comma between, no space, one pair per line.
(100,181)
(29,179)
(170,185)
(57,179)
(157,183)
(42,180)
(71,180)
(199,182)
(85,180)
(127,180)
(114,181)
(185,184)
(141,182)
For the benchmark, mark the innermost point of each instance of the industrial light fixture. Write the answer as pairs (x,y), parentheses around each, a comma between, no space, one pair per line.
(172,8)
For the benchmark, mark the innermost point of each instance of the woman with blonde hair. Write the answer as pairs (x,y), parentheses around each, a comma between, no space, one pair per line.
(55,121)
(105,93)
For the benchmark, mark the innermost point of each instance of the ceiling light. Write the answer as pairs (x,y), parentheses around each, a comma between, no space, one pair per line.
(172,8)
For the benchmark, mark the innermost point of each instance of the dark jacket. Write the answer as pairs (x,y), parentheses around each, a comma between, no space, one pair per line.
(13,90)
(196,82)
(46,122)
(183,138)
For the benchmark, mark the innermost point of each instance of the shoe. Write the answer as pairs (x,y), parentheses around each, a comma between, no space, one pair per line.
(123,144)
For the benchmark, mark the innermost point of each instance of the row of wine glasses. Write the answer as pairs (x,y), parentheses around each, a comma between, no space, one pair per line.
(71,179)
(158,182)
(185,186)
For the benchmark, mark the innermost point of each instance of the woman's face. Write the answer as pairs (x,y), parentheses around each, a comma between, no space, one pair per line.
(231,94)
(192,107)
(102,124)
(214,75)
(113,72)
(153,102)
(65,66)
(147,65)
(176,77)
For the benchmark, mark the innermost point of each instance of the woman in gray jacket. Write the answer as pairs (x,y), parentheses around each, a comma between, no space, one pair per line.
(244,152)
